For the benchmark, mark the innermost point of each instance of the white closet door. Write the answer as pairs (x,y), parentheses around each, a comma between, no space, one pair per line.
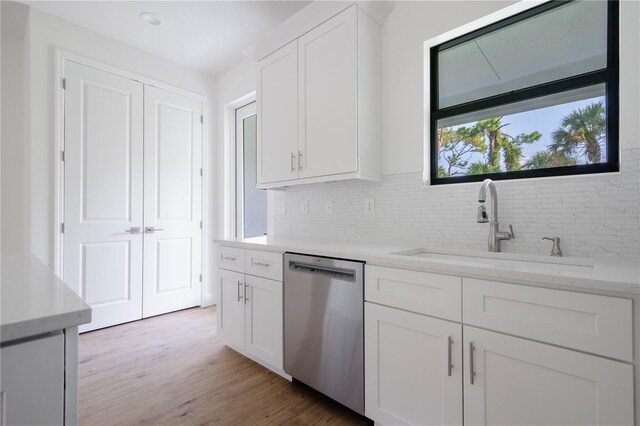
(103,193)
(172,201)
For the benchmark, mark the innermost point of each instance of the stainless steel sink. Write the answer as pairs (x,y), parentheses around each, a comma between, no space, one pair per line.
(480,258)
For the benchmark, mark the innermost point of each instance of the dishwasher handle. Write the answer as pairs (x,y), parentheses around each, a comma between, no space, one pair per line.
(325,271)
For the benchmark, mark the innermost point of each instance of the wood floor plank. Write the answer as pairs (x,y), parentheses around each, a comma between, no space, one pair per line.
(174,370)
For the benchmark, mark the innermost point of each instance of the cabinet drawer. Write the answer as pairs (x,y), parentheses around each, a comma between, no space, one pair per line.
(587,322)
(264,264)
(421,292)
(231,258)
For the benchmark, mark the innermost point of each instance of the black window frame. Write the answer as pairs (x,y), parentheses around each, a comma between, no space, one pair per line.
(609,76)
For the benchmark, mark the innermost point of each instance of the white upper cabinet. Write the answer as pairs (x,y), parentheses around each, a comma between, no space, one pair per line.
(328,94)
(277,110)
(319,104)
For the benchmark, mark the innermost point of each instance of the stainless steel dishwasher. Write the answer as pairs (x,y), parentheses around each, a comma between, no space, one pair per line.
(324,327)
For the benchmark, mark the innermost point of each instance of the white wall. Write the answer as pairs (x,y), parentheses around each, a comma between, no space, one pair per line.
(14,189)
(45,34)
(232,85)
(14,173)
(403,35)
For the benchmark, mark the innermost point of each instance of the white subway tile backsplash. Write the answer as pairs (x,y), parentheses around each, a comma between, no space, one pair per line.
(594,215)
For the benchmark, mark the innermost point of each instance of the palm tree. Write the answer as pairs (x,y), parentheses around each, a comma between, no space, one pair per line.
(581,133)
(482,169)
(546,159)
(456,147)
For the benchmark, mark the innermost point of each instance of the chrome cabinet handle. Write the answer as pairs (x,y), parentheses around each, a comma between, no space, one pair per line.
(229,258)
(449,366)
(299,160)
(263,264)
(293,158)
(245,293)
(472,373)
(151,229)
(239,287)
(133,230)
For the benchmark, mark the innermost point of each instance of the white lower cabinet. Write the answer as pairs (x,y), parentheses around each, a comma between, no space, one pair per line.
(427,371)
(513,381)
(250,308)
(413,368)
(263,319)
(231,307)
(32,382)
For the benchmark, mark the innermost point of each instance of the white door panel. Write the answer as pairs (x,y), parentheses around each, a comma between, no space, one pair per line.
(103,193)
(521,382)
(413,368)
(277,102)
(172,199)
(263,319)
(328,87)
(231,307)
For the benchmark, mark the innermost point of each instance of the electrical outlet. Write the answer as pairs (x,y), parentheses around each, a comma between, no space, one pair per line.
(280,208)
(369,206)
(304,207)
(328,208)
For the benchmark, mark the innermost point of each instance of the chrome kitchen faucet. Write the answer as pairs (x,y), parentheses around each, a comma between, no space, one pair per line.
(495,236)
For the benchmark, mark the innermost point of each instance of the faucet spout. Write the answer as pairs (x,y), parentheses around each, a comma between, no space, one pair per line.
(495,236)
(482,197)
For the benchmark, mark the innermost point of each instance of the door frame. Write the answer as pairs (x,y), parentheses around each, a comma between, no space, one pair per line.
(229,161)
(238,169)
(61,56)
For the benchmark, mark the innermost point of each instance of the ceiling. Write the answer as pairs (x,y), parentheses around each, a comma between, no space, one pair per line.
(208,36)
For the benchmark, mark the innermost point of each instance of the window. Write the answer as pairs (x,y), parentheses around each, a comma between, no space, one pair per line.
(534,94)
(251,203)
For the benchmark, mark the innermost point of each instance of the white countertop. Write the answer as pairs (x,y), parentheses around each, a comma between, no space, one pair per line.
(35,301)
(604,277)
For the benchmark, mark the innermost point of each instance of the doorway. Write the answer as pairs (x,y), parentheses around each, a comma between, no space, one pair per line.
(132,236)
(250,202)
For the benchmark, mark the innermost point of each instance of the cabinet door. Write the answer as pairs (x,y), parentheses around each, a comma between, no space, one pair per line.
(264,319)
(231,307)
(328,88)
(277,108)
(520,382)
(413,368)
(33,382)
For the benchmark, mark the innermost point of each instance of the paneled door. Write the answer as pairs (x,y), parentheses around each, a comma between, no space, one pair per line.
(328,101)
(172,200)
(277,102)
(513,381)
(413,368)
(231,307)
(263,319)
(103,193)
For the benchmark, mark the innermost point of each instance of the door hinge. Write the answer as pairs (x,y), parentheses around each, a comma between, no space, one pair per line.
(200,224)
(202,119)
(200,277)
(64,84)
(201,172)
(62,155)
(62,228)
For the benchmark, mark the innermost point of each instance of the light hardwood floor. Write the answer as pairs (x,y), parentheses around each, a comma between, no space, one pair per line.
(174,370)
